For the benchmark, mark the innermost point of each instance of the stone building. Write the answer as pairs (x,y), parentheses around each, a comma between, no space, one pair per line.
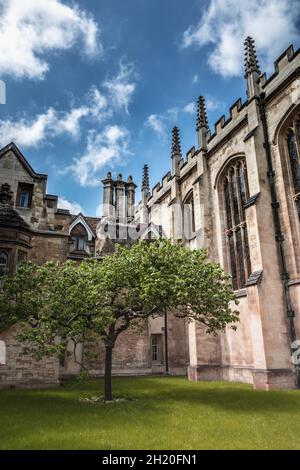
(32,227)
(236,194)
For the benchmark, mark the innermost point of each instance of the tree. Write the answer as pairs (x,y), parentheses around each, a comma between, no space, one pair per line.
(57,302)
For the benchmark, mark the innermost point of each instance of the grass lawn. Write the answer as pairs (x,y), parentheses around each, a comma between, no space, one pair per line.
(169,413)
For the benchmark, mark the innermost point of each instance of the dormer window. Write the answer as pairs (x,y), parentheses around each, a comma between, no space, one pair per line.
(24,195)
(79,243)
(81,237)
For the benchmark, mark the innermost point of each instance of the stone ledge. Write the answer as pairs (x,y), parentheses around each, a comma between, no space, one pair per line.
(252,200)
(255,278)
(261,379)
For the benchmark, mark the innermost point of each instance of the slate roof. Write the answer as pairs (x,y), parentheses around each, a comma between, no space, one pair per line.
(11,219)
(91,221)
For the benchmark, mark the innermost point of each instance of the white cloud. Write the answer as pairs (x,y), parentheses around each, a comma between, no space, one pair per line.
(71,122)
(172,113)
(31,132)
(195,79)
(99,210)
(213,104)
(190,108)
(226,23)
(107,147)
(30,29)
(156,123)
(28,132)
(73,207)
(121,87)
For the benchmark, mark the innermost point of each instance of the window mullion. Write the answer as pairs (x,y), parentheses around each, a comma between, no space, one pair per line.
(238,170)
(297,136)
(234,235)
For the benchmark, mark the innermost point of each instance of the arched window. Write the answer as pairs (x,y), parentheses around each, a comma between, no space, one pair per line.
(235,196)
(189,216)
(3,262)
(293,145)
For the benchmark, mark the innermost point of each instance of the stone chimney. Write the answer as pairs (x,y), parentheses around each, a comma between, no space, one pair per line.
(130,198)
(120,198)
(108,196)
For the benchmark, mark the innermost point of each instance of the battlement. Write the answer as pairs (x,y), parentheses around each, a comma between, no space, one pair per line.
(161,187)
(226,126)
(223,125)
(288,56)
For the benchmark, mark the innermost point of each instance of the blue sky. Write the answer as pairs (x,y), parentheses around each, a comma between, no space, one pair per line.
(97,85)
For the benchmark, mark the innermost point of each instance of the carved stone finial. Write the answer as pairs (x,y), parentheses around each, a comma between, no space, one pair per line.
(145,181)
(176,148)
(251,62)
(201,114)
(6,195)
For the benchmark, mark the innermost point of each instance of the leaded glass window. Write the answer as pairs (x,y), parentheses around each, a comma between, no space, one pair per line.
(236,194)
(293,146)
(3,262)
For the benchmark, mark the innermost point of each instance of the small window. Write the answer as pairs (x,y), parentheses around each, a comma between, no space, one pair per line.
(24,199)
(24,195)
(79,243)
(2,353)
(156,348)
(3,262)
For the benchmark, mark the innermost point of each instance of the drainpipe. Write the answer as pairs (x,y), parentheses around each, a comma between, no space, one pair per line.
(279,237)
(166,346)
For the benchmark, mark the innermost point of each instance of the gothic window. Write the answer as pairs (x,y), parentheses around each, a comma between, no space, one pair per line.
(293,145)
(3,262)
(235,196)
(189,216)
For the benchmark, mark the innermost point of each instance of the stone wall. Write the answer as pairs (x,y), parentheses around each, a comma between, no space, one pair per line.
(259,351)
(132,352)
(24,370)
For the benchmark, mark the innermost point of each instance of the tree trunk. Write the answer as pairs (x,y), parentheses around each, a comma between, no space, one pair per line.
(107,375)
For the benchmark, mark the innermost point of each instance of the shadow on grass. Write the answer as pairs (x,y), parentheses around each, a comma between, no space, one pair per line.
(158,392)
(43,418)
